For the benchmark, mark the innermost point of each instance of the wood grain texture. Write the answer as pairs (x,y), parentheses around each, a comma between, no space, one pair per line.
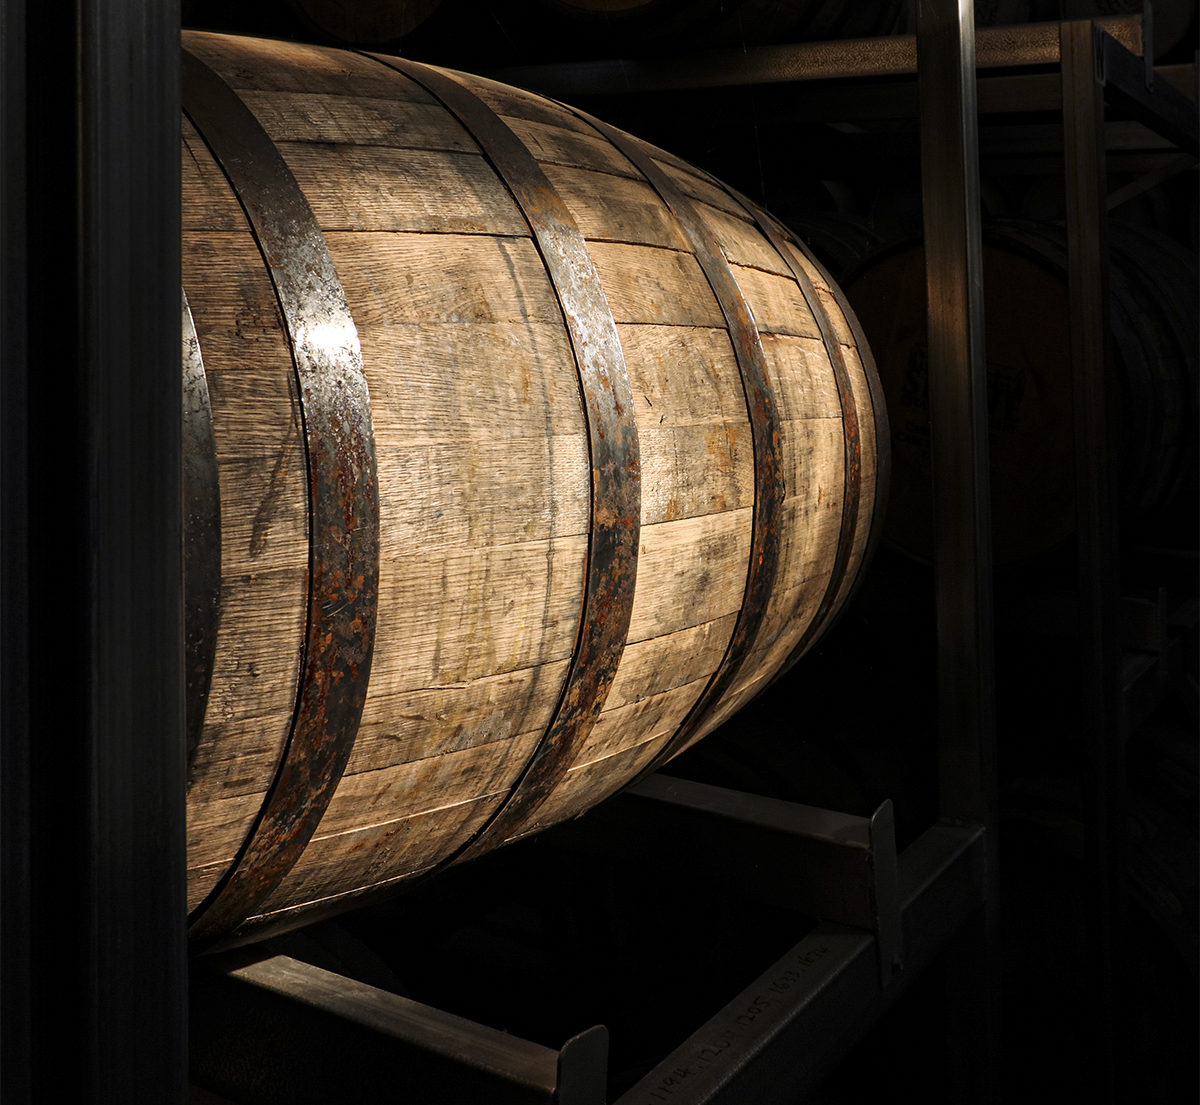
(778,304)
(696,470)
(467,613)
(660,286)
(454,493)
(615,209)
(483,467)
(870,467)
(687,573)
(428,191)
(208,201)
(261,64)
(682,376)
(807,386)
(658,664)
(590,783)
(327,118)
(516,103)
(202,879)
(210,841)
(264,500)
(557,144)
(742,243)
(695,185)
(361,839)
(622,727)
(236,757)
(431,721)
(445,278)
(441,383)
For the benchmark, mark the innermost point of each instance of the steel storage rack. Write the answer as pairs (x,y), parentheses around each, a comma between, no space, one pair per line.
(95,1003)
(780,1035)
(1099,65)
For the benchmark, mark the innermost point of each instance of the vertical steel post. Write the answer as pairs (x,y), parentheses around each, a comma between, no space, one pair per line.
(1101,707)
(962,511)
(91,667)
(16,982)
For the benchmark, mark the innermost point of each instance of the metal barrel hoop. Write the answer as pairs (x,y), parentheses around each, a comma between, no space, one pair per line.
(852,442)
(343,498)
(879,416)
(614,452)
(765,540)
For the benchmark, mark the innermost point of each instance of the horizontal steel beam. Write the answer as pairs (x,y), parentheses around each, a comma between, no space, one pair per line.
(789,1028)
(268,1028)
(1011,93)
(891,56)
(1119,134)
(1158,104)
(834,866)
(831,150)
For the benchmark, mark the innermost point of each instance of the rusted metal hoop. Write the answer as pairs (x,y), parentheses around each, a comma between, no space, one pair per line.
(343,498)
(764,428)
(879,418)
(852,444)
(201,538)
(615,519)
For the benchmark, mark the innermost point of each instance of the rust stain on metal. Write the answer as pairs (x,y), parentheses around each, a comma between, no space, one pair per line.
(764,426)
(343,500)
(852,444)
(882,433)
(779,236)
(611,570)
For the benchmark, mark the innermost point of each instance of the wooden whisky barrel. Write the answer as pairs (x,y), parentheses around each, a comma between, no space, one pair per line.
(538,453)
(1153,289)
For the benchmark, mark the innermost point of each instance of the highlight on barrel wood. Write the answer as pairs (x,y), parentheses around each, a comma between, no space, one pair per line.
(601,523)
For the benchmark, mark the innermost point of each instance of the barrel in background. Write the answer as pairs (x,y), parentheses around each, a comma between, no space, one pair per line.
(1153,287)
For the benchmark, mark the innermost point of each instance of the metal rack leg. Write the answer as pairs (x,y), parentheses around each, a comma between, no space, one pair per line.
(16,977)
(1100,684)
(92,827)
(962,513)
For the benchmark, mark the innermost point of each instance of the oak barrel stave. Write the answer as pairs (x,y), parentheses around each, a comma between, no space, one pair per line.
(481,444)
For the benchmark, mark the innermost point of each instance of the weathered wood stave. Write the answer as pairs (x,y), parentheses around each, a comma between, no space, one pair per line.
(486,504)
